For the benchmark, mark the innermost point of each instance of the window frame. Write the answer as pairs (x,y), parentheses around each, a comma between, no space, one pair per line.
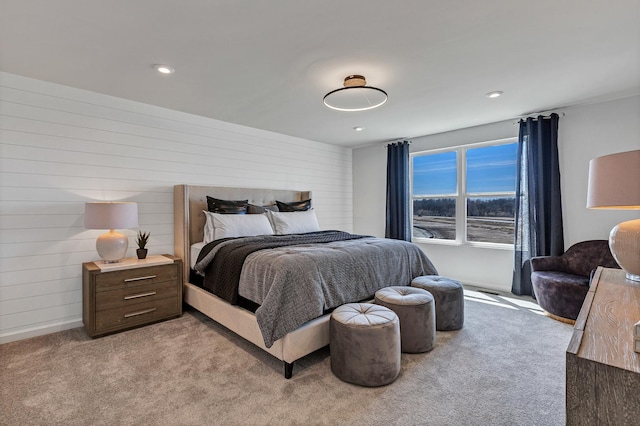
(461,196)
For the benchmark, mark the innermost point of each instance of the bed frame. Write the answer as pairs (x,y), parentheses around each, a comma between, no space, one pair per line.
(189,202)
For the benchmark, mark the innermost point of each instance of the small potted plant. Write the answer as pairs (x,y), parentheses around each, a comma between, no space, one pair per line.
(142,239)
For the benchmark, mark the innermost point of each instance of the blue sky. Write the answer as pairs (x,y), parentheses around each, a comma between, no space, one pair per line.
(489,169)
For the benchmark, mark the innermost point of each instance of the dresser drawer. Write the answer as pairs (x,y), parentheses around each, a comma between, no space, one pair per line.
(140,313)
(131,294)
(128,296)
(136,277)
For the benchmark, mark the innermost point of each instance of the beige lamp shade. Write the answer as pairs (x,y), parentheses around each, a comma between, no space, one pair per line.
(110,215)
(614,183)
(113,245)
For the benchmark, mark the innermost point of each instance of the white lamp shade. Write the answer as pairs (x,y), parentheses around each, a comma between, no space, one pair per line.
(614,183)
(110,215)
(111,246)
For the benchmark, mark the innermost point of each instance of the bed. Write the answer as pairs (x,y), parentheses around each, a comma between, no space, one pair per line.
(287,344)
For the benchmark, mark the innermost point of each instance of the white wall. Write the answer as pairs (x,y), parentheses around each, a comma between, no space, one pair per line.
(584,133)
(61,147)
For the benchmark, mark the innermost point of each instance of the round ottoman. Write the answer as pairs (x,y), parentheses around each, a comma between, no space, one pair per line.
(365,344)
(449,298)
(416,311)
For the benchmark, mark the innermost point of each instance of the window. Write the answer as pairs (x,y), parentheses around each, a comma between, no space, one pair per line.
(465,194)
(435,188)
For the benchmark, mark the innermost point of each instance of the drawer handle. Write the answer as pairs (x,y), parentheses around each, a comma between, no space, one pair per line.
(148,277)
(135,314)
(135,296)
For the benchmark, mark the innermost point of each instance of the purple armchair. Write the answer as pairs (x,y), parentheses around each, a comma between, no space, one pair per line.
(561,283)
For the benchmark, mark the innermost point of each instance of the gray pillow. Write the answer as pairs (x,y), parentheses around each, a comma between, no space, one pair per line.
(216,205)
(253,209)
(294,206)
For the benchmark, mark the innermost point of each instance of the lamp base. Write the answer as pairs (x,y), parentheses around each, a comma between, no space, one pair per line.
(112,246)
(624,242)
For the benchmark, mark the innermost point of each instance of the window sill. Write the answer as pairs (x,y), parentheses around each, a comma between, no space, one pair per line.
(437,242)
(494,246)
(491,246)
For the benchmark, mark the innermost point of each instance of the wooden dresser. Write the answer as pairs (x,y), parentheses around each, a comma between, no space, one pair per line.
(603,371)
(130,294)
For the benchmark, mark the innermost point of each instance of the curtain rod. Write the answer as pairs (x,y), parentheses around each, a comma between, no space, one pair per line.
(535,116)
(397,142)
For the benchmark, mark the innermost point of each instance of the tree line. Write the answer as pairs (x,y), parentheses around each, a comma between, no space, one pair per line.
(446,207)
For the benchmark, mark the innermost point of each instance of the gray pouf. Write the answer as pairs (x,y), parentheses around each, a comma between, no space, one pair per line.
(449,298)
(365,344)
(416,311)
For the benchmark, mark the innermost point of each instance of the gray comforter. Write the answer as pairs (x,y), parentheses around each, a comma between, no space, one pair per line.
(296,284)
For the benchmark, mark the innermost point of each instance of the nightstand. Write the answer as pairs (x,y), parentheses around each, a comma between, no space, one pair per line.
(130,293)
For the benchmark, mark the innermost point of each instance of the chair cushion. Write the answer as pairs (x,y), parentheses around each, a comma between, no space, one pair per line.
(564,278)
(363,315)
(559,293)
(403,295)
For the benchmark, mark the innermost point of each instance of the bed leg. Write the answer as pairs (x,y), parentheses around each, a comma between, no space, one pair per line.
(288,370)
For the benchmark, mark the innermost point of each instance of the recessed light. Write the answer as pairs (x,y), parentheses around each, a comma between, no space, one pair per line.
(358,128)
(164,69)
(495,94)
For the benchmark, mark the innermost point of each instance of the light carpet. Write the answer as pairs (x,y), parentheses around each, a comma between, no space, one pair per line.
(505,367)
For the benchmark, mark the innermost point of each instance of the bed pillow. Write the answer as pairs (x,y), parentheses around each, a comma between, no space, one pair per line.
(217,205)
(235,225)
(253,209)
(295,206)
(208,227)
(294,222)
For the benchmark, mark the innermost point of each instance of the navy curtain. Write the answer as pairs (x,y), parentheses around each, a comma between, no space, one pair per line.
(538,203)
(398,220)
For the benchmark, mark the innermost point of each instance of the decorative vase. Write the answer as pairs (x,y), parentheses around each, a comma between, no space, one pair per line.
(142,253)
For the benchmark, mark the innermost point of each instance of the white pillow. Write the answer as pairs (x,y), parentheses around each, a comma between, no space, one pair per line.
(235,225)
(294,222)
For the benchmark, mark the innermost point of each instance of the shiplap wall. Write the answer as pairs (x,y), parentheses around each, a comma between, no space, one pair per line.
(61,147)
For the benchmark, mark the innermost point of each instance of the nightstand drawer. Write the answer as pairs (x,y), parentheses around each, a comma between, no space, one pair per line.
(140,313)
(122,297)
(140,276)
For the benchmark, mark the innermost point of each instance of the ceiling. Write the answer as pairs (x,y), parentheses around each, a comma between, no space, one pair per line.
(268,64)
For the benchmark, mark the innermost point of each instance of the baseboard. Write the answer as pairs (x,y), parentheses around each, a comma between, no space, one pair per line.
(40,330)
(484,286)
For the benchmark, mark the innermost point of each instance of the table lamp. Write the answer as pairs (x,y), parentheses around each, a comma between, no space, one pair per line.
(111,246)
(614,183)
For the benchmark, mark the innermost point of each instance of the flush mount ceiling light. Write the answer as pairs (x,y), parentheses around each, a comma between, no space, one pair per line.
(358,128)
(164,69)
(495,94)
(355,95)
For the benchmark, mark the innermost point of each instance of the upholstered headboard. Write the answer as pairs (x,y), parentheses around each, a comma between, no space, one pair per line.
(190,200)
